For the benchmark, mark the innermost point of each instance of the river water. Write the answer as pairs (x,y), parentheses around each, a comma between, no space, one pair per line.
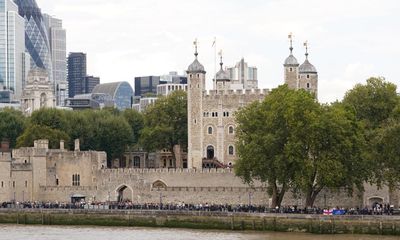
(14,232)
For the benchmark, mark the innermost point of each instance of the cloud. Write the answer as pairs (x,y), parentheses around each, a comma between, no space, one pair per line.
(335,88)
(128,38)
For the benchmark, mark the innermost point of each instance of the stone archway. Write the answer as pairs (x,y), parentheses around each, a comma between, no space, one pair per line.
(210,152)
(372,201)
(124,193)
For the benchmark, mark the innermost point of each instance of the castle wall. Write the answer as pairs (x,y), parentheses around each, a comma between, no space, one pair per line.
(62,165)
(5,179)
(219,108)
(198,187)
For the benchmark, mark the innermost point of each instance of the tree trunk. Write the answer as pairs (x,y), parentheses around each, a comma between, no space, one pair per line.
(311,196)
(277,196)
(274,196)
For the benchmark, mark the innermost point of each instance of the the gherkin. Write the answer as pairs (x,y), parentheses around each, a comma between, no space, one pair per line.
(36,38)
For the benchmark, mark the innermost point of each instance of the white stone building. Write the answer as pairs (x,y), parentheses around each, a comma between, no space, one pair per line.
(38,92)
(211,122)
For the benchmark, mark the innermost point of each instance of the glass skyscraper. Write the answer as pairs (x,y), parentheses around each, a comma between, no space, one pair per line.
(36,38)
(58,48)
(12,48)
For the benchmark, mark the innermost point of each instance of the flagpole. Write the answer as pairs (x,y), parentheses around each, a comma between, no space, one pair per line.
(215,61)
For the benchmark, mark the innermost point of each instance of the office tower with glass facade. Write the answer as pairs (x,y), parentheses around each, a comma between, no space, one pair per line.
(76,73)
(58,49)
(90,83)
(12,48)
(146,85)
(36,38)
(242,76)
(173,77)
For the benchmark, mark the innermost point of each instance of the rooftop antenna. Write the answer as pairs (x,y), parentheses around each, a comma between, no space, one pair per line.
(306,46)
(291,42)
(195,43)
(220,55)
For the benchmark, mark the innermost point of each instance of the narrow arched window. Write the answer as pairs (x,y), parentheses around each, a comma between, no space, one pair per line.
(231,150)
(231,130)
(210,130)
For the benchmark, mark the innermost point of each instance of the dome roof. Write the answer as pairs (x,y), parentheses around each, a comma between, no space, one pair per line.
(196,67)
(307,67)
(109,88)
(222,75)
(291,60)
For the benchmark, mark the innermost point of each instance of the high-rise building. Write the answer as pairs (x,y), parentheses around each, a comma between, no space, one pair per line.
(76,73)
(146,85)
(243,76)
(90,83)
(58,49)
(173,77)
(12,48)
(36,38)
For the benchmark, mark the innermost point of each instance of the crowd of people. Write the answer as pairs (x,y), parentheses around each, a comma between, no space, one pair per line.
(376,209)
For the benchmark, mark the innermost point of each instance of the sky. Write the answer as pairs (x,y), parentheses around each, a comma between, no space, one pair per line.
(349,40)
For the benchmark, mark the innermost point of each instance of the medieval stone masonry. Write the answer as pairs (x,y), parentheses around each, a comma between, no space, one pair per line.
(41,174)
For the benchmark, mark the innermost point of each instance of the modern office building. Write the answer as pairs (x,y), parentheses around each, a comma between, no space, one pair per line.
(36,38)
(242,76)
(12,48)
(146,85)
(90,83)
(167,89)
(58,49)
(121,93)
(173,77)
(90,101)
(76,73)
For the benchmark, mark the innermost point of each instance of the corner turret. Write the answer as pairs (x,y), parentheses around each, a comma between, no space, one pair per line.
(291,67)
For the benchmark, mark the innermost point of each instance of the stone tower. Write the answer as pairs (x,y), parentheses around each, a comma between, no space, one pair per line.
(291,67)
(197,84)
(308,76)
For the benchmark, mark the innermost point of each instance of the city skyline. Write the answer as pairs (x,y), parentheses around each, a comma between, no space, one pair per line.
(349,40)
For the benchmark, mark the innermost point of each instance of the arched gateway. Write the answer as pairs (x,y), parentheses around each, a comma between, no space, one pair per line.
(124,193)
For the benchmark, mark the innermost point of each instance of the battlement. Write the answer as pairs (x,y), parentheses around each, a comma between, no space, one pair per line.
(67,188)
(231,92)
(211,189)
(164,170)
(5,156)
(21,167)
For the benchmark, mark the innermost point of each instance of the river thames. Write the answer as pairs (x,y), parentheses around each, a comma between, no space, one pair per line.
(18,232)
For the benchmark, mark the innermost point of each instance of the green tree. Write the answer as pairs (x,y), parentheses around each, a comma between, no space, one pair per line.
(264,139)
(12,125)
(80,127)
(112,135)
(377,106)
(36,132)
(386,145)
(165,123)
(136,121)
(50,117)
(374,102)
(330,152)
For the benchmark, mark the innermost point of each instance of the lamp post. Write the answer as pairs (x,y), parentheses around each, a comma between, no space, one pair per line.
(160,200)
